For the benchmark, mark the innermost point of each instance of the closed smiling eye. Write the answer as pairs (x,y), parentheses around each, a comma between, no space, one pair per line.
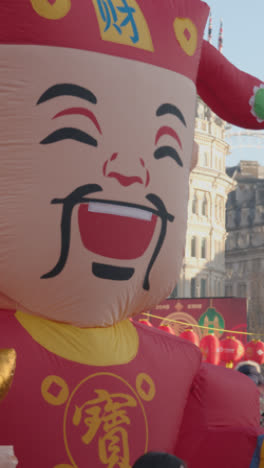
(168,151)
(69,133)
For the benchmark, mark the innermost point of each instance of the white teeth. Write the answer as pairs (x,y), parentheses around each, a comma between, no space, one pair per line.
(119,210)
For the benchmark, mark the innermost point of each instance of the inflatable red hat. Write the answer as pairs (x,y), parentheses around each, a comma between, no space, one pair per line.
(169,35)
(143,31)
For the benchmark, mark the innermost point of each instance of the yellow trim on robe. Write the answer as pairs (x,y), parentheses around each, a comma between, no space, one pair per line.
(109,346)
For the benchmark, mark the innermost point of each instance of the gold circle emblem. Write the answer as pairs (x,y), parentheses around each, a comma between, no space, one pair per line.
(145,379)
(63,391)
(186,34)
(54,11)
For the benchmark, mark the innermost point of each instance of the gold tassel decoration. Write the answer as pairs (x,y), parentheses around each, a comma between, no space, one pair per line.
(7,370)
(229,365)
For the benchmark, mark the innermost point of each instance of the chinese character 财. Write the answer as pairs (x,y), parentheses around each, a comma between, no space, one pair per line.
(118,17)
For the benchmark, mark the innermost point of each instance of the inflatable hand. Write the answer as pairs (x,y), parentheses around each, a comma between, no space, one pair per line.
(7,369)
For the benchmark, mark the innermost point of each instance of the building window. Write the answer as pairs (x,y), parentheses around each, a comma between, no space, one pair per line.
(242,290)
(222,211)
(174,293)
(217,209)
(256,265)
(203,247)
(219,162)
(193,247)
(215,287)
(203,287)
(204,206)
(216,161)
(193,287)
(204,159)
(216,247)
(228,290)
(194,204)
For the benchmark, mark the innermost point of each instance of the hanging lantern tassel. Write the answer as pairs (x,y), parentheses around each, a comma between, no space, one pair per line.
(210,348)
(231,351)
(254,351)
(145,322)
(191,336)
(167,329)
(229,365)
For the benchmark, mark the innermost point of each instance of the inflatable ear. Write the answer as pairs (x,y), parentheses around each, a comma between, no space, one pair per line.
(233,95)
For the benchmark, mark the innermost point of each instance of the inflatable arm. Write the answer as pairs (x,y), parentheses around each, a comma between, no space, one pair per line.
(235,96)
(221,417)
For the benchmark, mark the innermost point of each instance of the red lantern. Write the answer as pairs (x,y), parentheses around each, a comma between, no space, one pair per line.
(191,336)
(167,329)
(146,322)
(231,351)
(254,351)
(210,348)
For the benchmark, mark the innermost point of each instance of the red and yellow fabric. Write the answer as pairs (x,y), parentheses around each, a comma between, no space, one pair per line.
(75,400)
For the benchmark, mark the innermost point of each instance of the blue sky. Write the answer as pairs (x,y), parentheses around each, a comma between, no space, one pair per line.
(244,47)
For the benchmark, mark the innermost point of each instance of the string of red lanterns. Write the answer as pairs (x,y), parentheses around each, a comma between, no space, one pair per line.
(228,350)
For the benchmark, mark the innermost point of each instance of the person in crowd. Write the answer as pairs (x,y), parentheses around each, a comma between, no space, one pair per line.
(253,370)
(159,460)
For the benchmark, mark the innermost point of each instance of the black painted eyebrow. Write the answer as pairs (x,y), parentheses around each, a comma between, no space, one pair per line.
(171,109)
(67,89)
(165,151)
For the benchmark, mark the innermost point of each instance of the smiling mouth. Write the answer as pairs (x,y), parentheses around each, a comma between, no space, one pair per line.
(115,230)
(111,229)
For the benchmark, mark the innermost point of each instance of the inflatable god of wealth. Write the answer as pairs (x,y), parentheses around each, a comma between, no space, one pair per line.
(97,107)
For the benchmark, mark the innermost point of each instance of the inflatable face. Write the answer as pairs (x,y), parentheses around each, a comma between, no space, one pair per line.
(95,150)
(96,119)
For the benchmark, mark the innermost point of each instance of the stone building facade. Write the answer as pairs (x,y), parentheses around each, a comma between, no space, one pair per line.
(203,269)
(245,240)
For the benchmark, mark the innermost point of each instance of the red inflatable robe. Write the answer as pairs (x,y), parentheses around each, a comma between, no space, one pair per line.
(145,391)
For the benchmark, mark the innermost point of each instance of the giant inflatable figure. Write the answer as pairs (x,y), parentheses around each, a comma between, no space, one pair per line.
(97,106)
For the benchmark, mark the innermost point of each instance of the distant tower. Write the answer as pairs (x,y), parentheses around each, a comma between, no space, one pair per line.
(220,38)
(210,29)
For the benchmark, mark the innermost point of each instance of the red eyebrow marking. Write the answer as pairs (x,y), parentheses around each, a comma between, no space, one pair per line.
(168,131)
(80,111)
(114,156)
